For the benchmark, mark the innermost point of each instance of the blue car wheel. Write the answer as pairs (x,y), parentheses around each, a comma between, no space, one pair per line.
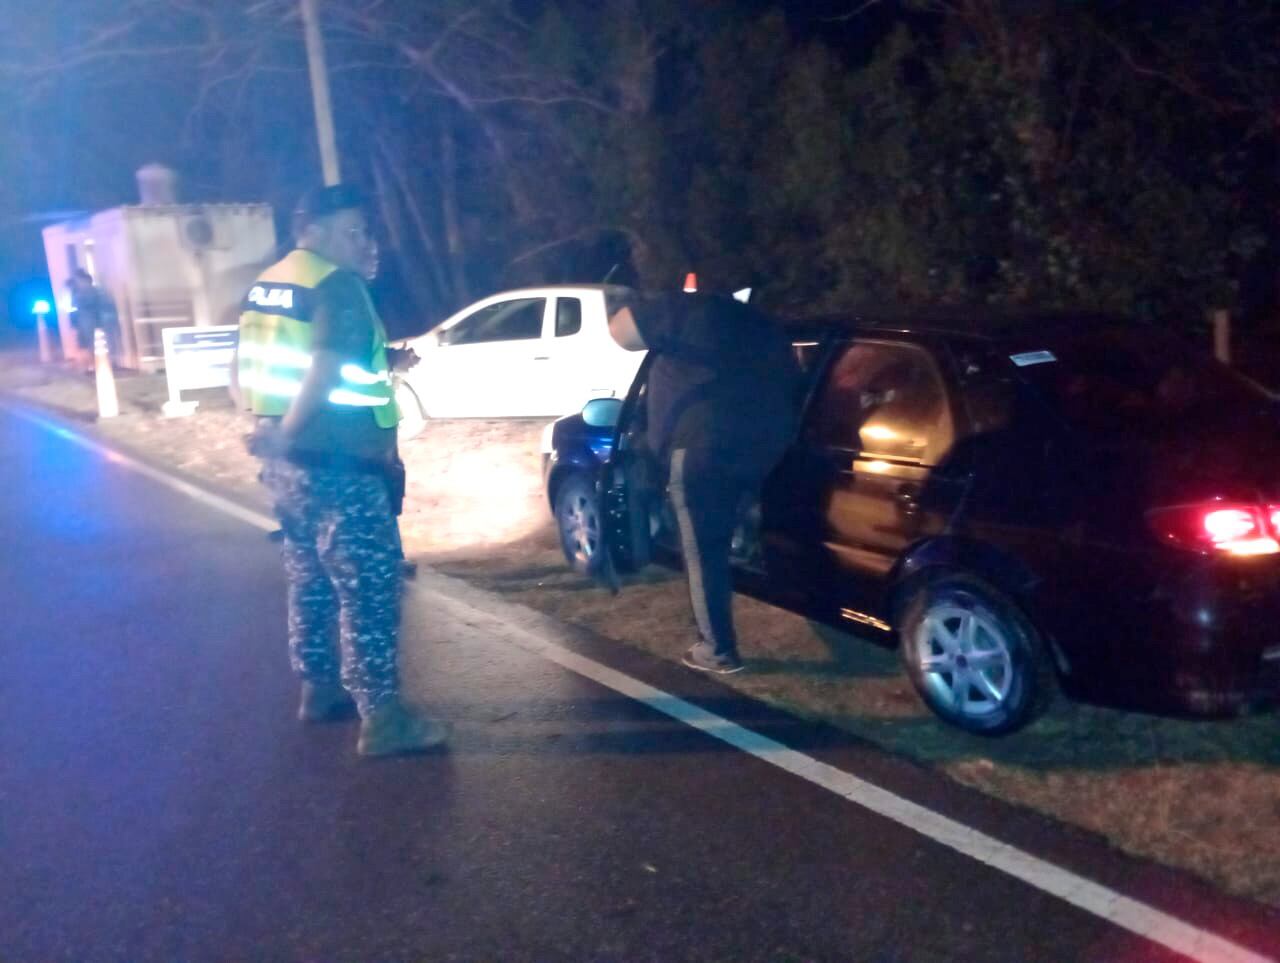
(579,521)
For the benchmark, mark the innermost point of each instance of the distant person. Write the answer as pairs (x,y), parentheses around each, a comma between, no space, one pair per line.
(722,409)
(312,366)
(91,310)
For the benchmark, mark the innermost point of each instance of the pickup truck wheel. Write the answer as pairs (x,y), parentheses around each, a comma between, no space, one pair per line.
(973,657)
(579,521)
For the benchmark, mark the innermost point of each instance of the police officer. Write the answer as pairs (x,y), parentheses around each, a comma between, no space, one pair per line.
(312,366)
(722,408)
(91,309)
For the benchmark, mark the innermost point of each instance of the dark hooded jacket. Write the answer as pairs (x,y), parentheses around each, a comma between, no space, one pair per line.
(724,379)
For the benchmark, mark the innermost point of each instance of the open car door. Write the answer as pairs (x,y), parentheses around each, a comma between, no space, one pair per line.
(630,488)
(628,497)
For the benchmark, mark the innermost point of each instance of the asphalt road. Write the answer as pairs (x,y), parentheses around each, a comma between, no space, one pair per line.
(159,801)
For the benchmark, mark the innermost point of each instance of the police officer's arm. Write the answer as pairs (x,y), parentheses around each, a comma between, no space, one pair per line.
(339,332)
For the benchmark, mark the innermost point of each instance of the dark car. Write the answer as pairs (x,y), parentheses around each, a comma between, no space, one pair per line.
(1019,503)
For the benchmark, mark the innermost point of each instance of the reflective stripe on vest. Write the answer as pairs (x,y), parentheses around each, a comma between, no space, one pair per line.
(276,344)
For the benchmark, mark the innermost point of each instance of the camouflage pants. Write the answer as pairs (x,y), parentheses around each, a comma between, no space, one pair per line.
(342,562)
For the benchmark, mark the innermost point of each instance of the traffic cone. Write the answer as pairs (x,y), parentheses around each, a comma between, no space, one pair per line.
(690,283)
(108,404)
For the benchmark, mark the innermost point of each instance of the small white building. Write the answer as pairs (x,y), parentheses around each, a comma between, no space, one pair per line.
(164,264)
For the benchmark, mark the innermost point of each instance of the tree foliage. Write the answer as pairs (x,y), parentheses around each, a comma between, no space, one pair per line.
(1025,151)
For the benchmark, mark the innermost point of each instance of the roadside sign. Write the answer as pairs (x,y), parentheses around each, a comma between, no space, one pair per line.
(194,358)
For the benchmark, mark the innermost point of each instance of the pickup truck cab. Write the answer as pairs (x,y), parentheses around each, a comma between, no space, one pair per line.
(533,352)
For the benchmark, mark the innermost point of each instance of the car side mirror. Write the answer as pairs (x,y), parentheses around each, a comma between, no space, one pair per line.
(602,412)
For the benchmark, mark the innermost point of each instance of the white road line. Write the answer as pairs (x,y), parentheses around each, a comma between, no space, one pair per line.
(1107,904)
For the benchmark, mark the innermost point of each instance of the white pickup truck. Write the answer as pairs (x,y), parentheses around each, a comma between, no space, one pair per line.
(534,352)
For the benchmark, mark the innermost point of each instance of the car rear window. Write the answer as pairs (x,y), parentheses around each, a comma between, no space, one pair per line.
(1119,380)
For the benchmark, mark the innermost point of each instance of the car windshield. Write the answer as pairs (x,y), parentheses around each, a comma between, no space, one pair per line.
(1118,380)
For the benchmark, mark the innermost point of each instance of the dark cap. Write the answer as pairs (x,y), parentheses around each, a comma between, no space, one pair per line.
(322,202)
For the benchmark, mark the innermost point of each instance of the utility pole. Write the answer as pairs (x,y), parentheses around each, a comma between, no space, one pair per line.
(320,93)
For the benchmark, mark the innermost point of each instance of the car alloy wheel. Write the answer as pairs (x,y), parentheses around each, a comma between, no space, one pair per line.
(578,519)
(973,656)
(964,659)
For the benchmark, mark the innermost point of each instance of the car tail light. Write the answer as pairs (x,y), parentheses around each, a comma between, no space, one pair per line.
(1231,528)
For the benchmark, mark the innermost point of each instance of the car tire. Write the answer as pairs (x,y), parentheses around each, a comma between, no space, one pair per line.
(413,419)
(580,524)
(974,658)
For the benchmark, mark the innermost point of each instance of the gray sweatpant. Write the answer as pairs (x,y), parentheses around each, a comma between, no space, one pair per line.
(706,492)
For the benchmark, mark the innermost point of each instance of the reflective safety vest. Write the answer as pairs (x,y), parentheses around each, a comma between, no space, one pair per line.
(275,347)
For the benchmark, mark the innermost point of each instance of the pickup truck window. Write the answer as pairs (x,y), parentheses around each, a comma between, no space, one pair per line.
(883,400)
(568,317)
(517,320)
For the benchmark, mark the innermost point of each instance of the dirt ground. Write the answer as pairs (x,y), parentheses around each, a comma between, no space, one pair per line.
(1204,796)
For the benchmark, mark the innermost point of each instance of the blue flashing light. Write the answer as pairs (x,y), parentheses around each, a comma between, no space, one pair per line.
(41,307)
